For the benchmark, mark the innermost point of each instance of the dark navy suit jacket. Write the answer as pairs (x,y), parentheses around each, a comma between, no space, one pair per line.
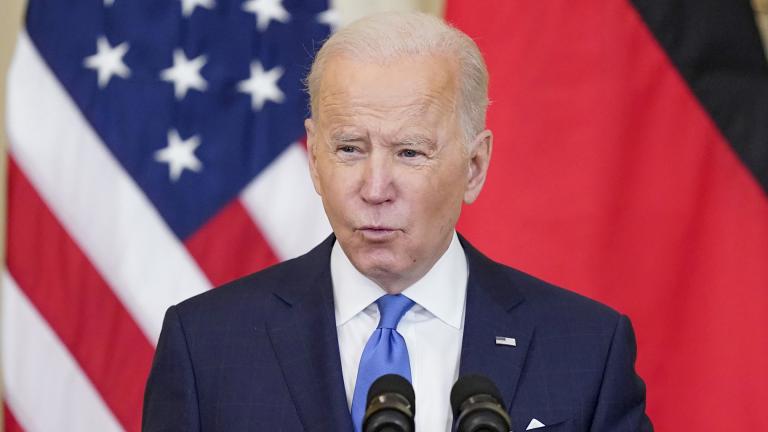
(261,354)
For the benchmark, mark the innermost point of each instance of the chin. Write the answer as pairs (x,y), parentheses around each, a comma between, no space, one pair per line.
(377,263)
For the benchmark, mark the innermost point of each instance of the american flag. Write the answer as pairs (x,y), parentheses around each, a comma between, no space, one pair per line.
(155,153)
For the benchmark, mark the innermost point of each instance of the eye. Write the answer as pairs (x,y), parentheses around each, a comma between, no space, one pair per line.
(347,149)
(409,153)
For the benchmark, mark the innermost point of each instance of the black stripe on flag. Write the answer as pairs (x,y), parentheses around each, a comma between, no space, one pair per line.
(716,46)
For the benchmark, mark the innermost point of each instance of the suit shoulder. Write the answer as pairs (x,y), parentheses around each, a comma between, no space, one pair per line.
(544,300)
(560,307)
(255,290)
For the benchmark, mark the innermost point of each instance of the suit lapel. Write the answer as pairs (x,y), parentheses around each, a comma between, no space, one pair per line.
(302,329)
(491,298)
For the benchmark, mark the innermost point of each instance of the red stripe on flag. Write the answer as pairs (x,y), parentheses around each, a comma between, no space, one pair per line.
(11,425)
(230,246)
(609,178)
(76,302)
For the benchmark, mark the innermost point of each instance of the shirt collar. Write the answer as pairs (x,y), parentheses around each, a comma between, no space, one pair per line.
(441,291)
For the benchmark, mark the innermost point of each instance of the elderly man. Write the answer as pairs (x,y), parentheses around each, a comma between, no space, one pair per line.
(397,144)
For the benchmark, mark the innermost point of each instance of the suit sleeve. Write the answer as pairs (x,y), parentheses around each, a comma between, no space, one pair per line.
(621,403)
(170,399)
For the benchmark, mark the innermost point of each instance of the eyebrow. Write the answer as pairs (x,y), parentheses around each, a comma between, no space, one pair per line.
(345,137)
(416,141)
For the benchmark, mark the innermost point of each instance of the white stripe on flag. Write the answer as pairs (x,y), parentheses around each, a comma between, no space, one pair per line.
(95,200)
(43,384)
(284,205)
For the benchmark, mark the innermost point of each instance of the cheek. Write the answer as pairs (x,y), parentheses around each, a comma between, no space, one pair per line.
(338,192)
(439,201)
(444,212)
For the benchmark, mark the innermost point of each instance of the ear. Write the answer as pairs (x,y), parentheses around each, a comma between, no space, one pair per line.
(312,148)
(479,157)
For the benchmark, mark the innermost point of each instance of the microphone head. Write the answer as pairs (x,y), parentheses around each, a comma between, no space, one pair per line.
(392,383)
(390,405)
(472,385)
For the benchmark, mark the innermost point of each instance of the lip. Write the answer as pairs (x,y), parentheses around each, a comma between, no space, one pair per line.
(377,233)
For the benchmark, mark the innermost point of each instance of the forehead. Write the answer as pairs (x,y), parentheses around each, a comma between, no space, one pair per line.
(410,85)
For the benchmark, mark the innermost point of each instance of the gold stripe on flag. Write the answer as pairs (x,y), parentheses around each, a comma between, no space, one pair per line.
(761,15)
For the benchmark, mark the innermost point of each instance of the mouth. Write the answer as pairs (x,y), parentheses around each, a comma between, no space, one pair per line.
(378,233)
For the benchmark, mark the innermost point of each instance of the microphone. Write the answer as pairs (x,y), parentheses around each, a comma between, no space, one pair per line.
(478,406)
(391,405)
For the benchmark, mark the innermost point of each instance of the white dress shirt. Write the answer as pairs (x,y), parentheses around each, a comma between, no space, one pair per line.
(432,328)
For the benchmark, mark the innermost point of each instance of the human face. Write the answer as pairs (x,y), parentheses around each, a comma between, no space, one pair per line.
(387,158)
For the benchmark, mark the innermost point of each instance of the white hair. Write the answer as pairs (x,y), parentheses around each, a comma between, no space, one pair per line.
(387,36)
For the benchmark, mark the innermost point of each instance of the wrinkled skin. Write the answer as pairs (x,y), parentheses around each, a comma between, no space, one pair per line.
(388,158)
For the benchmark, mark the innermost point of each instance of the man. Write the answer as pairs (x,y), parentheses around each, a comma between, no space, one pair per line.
(397,143)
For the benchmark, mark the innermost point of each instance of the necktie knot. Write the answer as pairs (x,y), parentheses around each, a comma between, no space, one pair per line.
(392,308)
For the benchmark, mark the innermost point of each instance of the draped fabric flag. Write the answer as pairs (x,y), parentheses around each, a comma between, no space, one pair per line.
(630,164)
(155,152)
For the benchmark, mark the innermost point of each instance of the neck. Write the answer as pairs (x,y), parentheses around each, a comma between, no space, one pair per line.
(397,282)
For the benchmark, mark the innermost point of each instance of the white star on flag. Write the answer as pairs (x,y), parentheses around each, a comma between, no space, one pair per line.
(179,155)
(331,18)
(109,3)
(262,86)
(185,73)
(108,61)
(266,11)
(188,6)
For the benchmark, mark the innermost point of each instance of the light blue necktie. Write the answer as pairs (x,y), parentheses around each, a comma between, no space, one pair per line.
(385,353)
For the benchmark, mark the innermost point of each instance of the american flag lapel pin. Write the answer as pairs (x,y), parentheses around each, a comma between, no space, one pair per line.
(508,341)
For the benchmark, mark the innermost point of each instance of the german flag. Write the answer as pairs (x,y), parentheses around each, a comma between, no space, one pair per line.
(631,164)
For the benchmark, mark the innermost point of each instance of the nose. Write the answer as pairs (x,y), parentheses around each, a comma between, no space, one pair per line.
(378,180)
